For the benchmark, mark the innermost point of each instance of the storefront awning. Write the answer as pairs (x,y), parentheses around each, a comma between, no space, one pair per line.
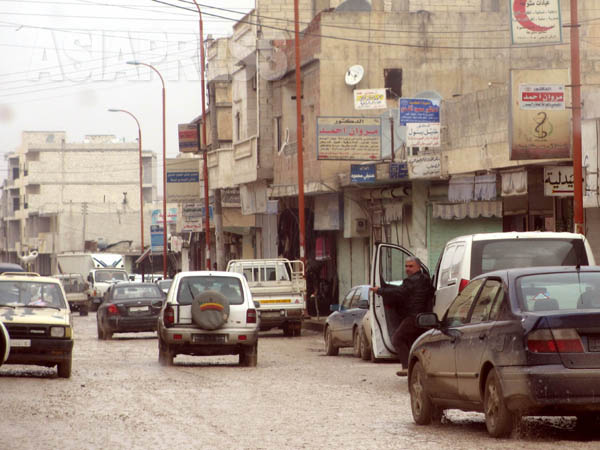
(471,210)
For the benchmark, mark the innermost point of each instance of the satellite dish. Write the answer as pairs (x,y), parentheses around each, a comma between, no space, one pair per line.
(354,74)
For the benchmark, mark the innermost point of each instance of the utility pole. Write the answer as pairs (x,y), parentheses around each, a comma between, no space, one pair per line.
(218,210)
(576,105)
(84,211)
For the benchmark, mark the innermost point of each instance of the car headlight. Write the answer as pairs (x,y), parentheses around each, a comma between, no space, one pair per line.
(57,332)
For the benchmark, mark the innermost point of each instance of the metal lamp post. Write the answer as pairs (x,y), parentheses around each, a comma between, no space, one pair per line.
(141,179)
(137,63)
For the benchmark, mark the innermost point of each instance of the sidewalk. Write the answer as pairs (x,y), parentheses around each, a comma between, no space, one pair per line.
(314,323)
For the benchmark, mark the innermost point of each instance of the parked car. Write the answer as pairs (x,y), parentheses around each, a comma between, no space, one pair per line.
(36,316)
(462,259)
(10,267)
(129,307)
(209,313)
(165,284)
(513,343)
(342,325)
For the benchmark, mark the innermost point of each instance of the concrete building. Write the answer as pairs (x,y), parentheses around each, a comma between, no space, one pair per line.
(63,196)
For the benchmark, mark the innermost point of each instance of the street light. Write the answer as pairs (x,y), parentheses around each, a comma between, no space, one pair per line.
(141,178)
(205,152)
(137,63)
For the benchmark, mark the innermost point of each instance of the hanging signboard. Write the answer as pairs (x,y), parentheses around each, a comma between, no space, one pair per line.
(535,22)
(188,137)
(422,134)
(419,110)
(369,99)
(157,238)
(424,166)
(539,129)
(349,138)
(362,173)
(399,171)
(558,181)
(183,180)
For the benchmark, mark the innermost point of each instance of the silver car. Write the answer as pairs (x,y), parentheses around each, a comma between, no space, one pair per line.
(342,327)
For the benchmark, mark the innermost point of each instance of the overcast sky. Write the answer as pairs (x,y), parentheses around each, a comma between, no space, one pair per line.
(63,64)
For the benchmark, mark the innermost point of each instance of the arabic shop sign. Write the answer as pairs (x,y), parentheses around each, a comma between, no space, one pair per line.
(542,96)
(369,99)
(424,166)
(419,110)
(536,22)
(188,137)
(399,171)
(157,238)
(361,173)
(349,138)
(558,181)
(422,134)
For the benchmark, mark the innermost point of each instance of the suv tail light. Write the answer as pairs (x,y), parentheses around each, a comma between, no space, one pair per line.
(112,309)
(463,284)
(169,316)
(565,340)
(251,316)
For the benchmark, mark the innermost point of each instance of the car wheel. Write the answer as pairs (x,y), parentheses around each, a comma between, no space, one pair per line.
(330,349)
(365,349)
(356,343)
(498,419)
(420,403)
(165,356)
(64,368)
(249,356)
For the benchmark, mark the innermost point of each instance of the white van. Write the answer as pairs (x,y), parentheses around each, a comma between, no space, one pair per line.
(465,257)
(462,259)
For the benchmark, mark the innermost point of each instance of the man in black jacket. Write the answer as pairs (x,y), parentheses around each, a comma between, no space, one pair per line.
(410,299)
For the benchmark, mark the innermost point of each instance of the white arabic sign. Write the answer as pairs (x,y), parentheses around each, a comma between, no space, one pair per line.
(542,96)
(558,181)
(536,22)
(424,166)
(422,134)
(369,99)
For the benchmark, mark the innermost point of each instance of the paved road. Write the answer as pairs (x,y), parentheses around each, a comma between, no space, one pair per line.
(119,397)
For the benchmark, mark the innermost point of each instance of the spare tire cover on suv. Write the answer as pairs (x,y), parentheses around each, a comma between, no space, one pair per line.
(210,310)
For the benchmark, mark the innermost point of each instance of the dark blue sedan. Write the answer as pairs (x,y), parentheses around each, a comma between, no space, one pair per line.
(343,324)
(513,343)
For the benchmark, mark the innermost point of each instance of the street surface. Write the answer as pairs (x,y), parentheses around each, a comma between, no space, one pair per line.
(120,398)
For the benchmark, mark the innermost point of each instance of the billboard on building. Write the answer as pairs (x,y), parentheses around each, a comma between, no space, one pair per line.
(370,99)
(419,110)
(535,22)
(183,180)
(423,134)
(539,129)
(188,137)
(349,138)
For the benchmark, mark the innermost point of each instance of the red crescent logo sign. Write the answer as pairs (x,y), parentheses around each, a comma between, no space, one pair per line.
(520,13)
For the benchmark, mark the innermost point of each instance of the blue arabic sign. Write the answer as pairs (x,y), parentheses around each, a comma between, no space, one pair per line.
(157,238)
(419,110)
(399,171)
(362,173)
(183,177)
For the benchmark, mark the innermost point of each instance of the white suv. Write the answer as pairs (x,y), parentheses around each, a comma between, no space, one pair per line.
(208,313)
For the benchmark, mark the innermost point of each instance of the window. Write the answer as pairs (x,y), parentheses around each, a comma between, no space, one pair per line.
(278,133)
(393,82)
(190,287)
(459,309)
(237,126)
(446,265)
(482,308)
(348,300)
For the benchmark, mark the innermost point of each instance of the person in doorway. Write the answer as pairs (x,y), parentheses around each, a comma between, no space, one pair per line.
(411,298)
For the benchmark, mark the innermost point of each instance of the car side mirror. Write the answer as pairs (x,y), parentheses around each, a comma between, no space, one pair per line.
(335,307)
(363,304)
(256,304)
(428,320)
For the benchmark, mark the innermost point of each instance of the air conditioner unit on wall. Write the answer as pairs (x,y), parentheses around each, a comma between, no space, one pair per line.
(360,225)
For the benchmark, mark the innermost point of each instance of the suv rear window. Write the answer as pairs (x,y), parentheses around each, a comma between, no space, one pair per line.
(190,287)
(513,253)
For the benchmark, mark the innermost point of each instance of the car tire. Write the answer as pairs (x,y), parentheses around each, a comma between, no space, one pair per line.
(210,310)
(423,410)
(330,348)
(63,369)
(498,419)
(356,342)
(165,355)
(249,356)
(296,329)
(365,348)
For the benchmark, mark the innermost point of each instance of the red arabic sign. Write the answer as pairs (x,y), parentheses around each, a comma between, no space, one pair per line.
(542,96)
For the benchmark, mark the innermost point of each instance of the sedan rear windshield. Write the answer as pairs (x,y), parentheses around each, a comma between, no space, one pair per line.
(131,292)
(513,253)
(559,291)
(190,287)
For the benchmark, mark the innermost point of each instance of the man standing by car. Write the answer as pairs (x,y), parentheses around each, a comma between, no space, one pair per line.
(410,299)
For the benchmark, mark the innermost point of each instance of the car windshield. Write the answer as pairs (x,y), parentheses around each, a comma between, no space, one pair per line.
(190,287)
(136,292)
(512,253)
(28,293)
(110,276)
(165,284)
(559,291)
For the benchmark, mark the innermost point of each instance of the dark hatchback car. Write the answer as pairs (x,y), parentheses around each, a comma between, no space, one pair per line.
(129,307)
(343,324)
(513,343)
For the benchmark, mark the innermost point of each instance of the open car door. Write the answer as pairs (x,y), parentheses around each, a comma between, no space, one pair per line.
(387,268)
